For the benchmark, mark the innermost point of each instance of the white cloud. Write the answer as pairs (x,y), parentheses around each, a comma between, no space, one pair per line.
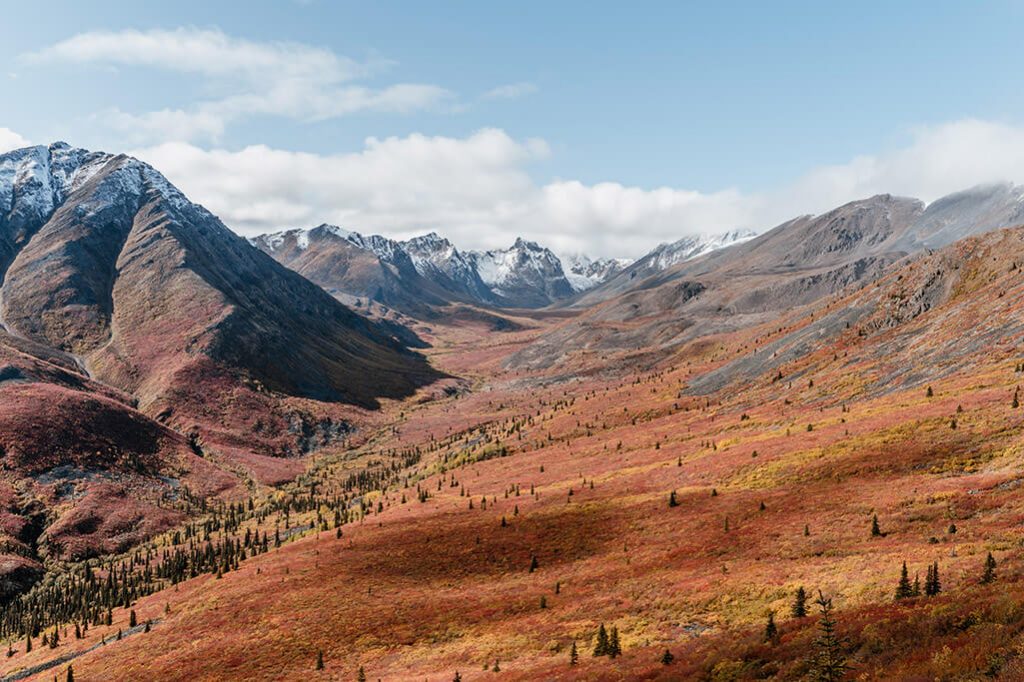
(510,91)
(940,159)
(11,140)
(475,190)
(478,191)
(284,79)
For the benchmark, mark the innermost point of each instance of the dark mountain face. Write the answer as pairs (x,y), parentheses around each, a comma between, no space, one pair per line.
(128,273)
(139,332)
(795,264)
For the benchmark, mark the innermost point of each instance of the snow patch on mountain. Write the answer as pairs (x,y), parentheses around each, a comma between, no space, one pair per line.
(586,273)
(666,255)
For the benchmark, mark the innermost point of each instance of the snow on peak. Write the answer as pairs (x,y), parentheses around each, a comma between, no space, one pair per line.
(687,248)
(501,266)
(35,181)
(585,273)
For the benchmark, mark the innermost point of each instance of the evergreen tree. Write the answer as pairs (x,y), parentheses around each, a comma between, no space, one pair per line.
(827,662)
(601,648)
(667,658)
(990,570)
(771,631)
(361,675)
(903,588)
(574,654)
(875,530)
(932,586)
(457,678)
(534,565)
(28,643)
(319,660)
(496,668)
(132,619)
(800,603)
(672,502)
(70,677)
(614,649)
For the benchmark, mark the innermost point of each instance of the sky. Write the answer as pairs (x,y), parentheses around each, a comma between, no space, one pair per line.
(596,127)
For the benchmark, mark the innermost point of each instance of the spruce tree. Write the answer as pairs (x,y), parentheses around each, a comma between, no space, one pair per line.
(361,675)
(800,603)
(319,660)
(932,586)
(827,662)
(672,502)
(601,648)
(667,658)
(70,677)
(614,649)
(574,654)
(875,530)
(903,588)
(771,631)
(990,570)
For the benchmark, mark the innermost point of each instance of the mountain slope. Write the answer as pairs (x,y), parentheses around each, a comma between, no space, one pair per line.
(161,300)
(745,284)
(714,502)
(662,257)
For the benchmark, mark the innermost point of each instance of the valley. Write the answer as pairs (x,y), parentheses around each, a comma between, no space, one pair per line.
(255,481)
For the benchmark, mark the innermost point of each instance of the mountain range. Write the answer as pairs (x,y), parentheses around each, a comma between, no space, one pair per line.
(417,275)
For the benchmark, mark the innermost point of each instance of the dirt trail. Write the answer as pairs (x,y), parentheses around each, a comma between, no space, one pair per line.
(67,658)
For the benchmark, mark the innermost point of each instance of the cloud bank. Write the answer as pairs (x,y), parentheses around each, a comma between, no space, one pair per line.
(478,190)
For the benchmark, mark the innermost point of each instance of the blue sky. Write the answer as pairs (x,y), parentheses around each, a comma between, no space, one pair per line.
(605,127)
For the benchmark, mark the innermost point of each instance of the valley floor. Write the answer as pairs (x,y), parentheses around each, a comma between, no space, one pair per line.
(540,508)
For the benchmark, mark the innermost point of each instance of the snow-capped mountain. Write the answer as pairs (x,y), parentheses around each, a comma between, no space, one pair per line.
(430,270)
(586,273)
(438,260)
(524,275)
(666,255)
